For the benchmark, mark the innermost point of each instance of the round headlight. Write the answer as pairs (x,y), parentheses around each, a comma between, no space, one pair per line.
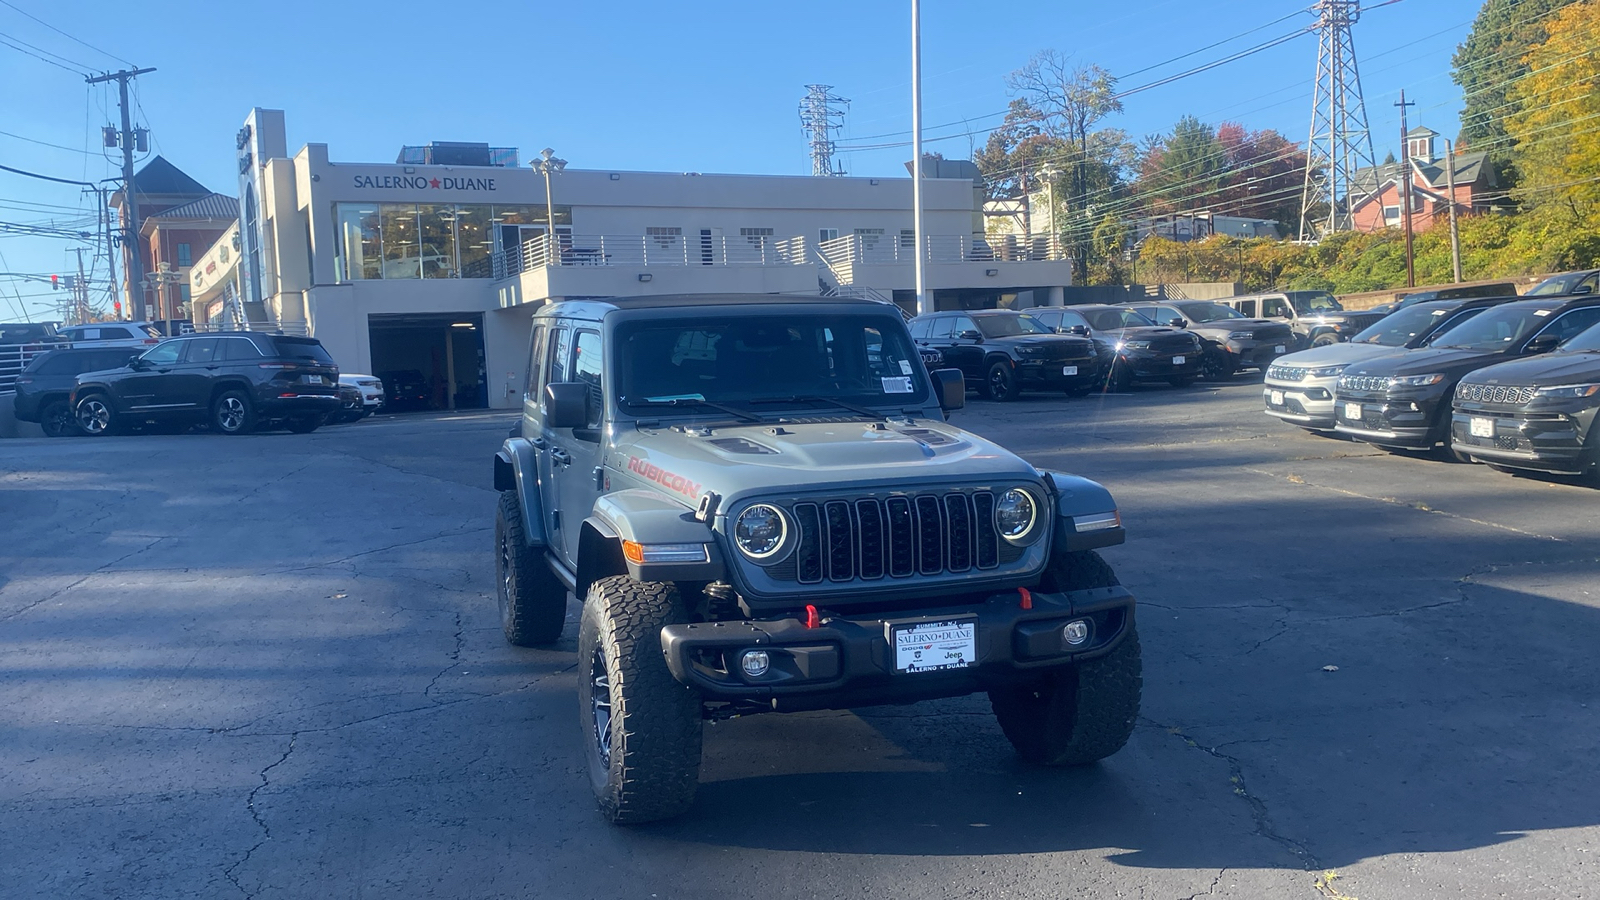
(1014,514)
(760,531)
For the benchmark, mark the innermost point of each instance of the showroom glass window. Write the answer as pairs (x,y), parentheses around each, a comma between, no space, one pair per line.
(434,240)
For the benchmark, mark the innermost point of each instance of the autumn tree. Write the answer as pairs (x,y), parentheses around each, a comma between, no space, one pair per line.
(1228,170)
(1488,64)
(1556,148)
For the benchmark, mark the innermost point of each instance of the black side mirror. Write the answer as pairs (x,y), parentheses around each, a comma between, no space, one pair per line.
(136,362)
(970,336)
(1079,330)
(950,386)
(566,404)
(1177,323)
(1583,289)
(1542,343)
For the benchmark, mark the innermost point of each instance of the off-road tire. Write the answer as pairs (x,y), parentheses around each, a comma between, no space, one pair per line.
(649,768)
(1083,713)
(57,420)
(1000,383)
(533,603)
(96,416)
(233,413)
(304,424)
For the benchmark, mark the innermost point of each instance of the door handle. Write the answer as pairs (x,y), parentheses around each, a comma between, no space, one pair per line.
(560,457)
(213,367)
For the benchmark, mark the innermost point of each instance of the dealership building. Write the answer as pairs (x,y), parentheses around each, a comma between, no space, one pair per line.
(435,263)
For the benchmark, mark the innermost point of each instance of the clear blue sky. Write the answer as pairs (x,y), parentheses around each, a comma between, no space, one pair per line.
(711,86)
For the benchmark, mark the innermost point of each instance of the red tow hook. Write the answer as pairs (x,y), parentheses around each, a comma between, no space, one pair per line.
(1027,598)
(813,618)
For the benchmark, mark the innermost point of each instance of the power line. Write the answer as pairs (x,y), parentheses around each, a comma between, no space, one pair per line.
(63,33)
(47,177)
(21,47)
(45,143)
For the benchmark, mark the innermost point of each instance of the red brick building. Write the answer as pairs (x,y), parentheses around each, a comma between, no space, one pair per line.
(178,219)
(1376,192)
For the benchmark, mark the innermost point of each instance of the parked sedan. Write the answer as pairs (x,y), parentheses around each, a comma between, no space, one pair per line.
(1535,413)
(44,389)
(1300,387)
(1005,352)
(1403,401)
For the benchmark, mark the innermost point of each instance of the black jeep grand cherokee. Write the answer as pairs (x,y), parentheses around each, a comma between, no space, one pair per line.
(233,381)
(1004,352)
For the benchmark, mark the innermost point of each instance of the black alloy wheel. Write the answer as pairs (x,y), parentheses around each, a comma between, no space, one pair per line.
(56,420)
(95,416)
(1216,365)
(1001,383)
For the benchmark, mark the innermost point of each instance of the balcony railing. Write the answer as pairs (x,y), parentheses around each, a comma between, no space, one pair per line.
(634,251)
(881,249)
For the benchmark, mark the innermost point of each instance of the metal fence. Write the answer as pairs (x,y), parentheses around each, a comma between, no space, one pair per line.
(588,250)
(14,358)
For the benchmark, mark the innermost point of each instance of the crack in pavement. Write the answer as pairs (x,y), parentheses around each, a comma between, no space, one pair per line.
(255,815)
(58,592)
(333,562)
(1210,890)
(455,660)
(1258,809)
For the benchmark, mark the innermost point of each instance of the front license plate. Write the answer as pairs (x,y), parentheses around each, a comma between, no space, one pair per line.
(1278,349)
(934,646)
(1069,370)
(1352,411)
(1275,398)
(1178,360)
(1482,427)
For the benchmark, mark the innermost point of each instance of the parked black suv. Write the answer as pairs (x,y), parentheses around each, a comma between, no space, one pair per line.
(1403,401)
(44,389)
(234,381)
(1535,413)
(1136,349)
(1006,352)
(1232,341)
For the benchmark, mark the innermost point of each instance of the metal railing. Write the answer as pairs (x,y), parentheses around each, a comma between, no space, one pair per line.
(600,250)
(843,253)
(15,357)
(298,329)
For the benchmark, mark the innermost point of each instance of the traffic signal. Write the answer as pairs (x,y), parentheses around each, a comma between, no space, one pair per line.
(117,306)
(55,282)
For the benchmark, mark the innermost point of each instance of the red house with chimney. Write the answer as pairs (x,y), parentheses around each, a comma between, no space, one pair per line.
(1376,193)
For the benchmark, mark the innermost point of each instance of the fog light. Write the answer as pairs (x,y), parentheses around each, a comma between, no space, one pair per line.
(755,663)
(1075,632)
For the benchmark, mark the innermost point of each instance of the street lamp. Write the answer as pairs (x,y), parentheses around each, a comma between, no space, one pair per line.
(546,163)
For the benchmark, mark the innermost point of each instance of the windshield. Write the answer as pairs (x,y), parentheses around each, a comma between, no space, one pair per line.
(858,359)
(1495,329)
(1210,312)
(1398,329)
(1583,342)
(1009,326)
(1309,302)
(1114,319)
(1557,284)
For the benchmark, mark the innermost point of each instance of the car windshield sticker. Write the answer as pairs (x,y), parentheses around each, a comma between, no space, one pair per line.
(905,367)
(1541,312)
(901,385)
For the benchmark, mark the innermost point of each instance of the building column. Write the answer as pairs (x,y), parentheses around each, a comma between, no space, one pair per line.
(1058,296)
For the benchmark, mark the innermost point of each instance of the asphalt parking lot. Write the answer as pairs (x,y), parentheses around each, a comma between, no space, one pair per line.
(271,666)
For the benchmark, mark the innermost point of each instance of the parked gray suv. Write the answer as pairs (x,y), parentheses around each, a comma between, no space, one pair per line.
(763,509)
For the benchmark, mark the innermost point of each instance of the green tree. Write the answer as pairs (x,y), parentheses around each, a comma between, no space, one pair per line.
(1184,170)
(1487,65)
(1557,152)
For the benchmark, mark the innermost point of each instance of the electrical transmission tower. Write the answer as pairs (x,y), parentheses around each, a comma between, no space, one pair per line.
(1340,141)
(822,115)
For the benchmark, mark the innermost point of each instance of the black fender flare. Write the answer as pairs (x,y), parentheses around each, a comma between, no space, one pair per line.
(644,518)
(1086,515)
(516,468)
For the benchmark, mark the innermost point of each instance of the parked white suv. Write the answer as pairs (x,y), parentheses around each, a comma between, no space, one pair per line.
(371,390)
(137,335)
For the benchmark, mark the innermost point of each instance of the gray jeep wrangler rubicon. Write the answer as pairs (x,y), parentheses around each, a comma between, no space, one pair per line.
(763,509)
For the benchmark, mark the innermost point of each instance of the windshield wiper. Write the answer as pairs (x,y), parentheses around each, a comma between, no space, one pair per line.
(691,401)
(801,398)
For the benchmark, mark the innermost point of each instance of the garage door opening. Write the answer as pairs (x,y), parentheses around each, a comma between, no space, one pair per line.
(430,361)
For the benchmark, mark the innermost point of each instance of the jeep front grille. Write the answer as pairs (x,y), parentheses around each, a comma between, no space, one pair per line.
(897,537)
(1494,393)
(1286,373)
(1376,384)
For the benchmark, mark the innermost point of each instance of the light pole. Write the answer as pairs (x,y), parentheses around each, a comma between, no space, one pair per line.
(546,163)
(924,306)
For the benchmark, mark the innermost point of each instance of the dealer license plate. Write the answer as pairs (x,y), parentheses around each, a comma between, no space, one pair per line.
(1352,411)
(1482,427)
(1278,349)
(934,646)
(1275,398)
(1069,370)
(1178,360)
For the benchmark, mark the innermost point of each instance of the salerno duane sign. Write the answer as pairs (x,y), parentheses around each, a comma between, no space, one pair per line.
(422,182)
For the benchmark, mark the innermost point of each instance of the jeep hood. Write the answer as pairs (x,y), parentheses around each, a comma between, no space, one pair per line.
(1335,355)
(1542,371)
(686,461)
(1428,361)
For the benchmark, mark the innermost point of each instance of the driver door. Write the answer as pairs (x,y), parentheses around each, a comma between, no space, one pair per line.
(965,352)
(577,450)
(153,384)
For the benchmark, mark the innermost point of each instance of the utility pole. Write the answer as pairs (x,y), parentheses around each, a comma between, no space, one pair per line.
(924,304)
(821,116)
(81,290)
(130,195)
(1404,188)
(1450,184)
(1340,141)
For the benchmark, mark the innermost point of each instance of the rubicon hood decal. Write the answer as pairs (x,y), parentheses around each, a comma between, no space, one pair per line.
(669,480)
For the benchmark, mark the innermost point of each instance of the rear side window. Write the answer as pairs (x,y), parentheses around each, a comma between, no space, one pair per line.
(919,329)
(535,363)
(560,354)
(237,348)
(202,350)
(301,349)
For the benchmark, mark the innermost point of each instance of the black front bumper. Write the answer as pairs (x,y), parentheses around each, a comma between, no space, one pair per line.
(847,660)
(1561,441)
(1258,354)
(1159,363)
(1051,373)
(1408,423)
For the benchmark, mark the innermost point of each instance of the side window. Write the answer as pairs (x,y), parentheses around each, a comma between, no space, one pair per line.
(1274,309)
(587,367)
(940,328)
(1048,320)
(1573,322)
(202,351)
(237,349)
(919,329)
(1069,319)
(964,324)
(164,354)
(535,363)
(1166,314)
(560,354)
(1247,307)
